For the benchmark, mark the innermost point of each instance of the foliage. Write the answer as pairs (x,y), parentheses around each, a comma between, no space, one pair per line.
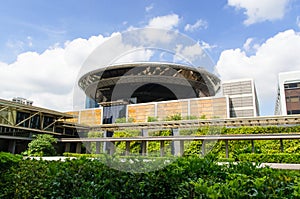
(245,146)
(274,158)
(174,117)
(124,120)
(187,177)
(203,117)
(41,145)
(152,119)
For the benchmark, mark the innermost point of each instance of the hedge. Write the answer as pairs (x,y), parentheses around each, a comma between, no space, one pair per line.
(187,177)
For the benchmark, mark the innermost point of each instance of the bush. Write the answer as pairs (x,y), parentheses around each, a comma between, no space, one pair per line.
(152,119)
(187,177)
(272,158)
(174,117)
(41,145)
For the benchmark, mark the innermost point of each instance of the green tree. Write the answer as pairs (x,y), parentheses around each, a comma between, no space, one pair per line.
(42,145)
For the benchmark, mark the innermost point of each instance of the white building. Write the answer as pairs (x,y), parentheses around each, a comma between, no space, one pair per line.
(288,96)
(242,97)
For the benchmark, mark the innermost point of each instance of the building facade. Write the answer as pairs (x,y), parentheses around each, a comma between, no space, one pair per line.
(242,96)
(288,96)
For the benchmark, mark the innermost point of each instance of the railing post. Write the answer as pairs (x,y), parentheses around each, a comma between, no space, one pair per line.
(177,146)
(108,146)
(281,145)
(97,147)
(127,151)
(144,133)
(252,146)
(226,149)
(162,148)
(203,148)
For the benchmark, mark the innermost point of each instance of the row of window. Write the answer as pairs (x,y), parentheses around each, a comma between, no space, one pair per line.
(292,85)
(290,112)
(293,99)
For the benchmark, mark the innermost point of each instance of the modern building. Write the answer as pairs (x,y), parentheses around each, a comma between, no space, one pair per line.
(116,86)
(288,96)
(242,97)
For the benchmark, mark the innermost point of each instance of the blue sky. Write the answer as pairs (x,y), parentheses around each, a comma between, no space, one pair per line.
(245,38)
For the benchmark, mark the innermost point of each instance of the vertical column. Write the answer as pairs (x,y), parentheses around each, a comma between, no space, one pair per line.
(203,148)
(67,147)
(281,146)
(97,147)
(144,133)
(177,146)
(107,146)
(226,148)
(253,147)
(127,151)
(78,147)
(12,146)
(162,148)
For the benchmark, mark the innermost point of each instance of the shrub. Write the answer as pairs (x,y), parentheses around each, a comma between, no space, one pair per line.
(174,117)
(41,145)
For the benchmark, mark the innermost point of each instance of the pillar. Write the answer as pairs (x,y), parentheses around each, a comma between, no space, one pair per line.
(144,133)
(78,147)
(226,149)
(12,146)
(97,147)
(107,146)
(67,147)
(177,146)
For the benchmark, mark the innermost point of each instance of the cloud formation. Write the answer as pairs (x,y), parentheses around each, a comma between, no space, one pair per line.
(260,10)
(168,22)
(279,53)
(199,24)
(47,78)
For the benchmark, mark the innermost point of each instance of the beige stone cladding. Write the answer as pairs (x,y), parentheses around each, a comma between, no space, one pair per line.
(88,117)
(196,108)
(141,112)
(75,115)
(166,109)
(209,108)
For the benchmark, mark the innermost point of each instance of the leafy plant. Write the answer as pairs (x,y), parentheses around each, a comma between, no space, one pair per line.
(152,119)
(174,117)
(41,145)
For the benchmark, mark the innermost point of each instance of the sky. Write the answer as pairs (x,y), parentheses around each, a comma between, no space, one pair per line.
(43,44)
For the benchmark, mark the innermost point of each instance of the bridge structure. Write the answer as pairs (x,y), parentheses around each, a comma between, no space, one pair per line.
(19,123)
(108,142)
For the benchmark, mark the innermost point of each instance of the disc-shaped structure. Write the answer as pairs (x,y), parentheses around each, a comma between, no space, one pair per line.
(148,82)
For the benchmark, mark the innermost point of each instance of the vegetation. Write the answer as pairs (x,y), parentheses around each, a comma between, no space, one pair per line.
(41,145)
(187,177)
(174,117)
(123,120)
(152,119)
(272,158)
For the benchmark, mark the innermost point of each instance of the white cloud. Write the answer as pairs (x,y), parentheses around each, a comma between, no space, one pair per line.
(260,10)
(47,78)
(149,8)
(200,24)
(168,22)
(278,54)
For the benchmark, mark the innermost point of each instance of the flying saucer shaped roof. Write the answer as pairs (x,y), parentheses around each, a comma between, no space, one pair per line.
(148,81)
